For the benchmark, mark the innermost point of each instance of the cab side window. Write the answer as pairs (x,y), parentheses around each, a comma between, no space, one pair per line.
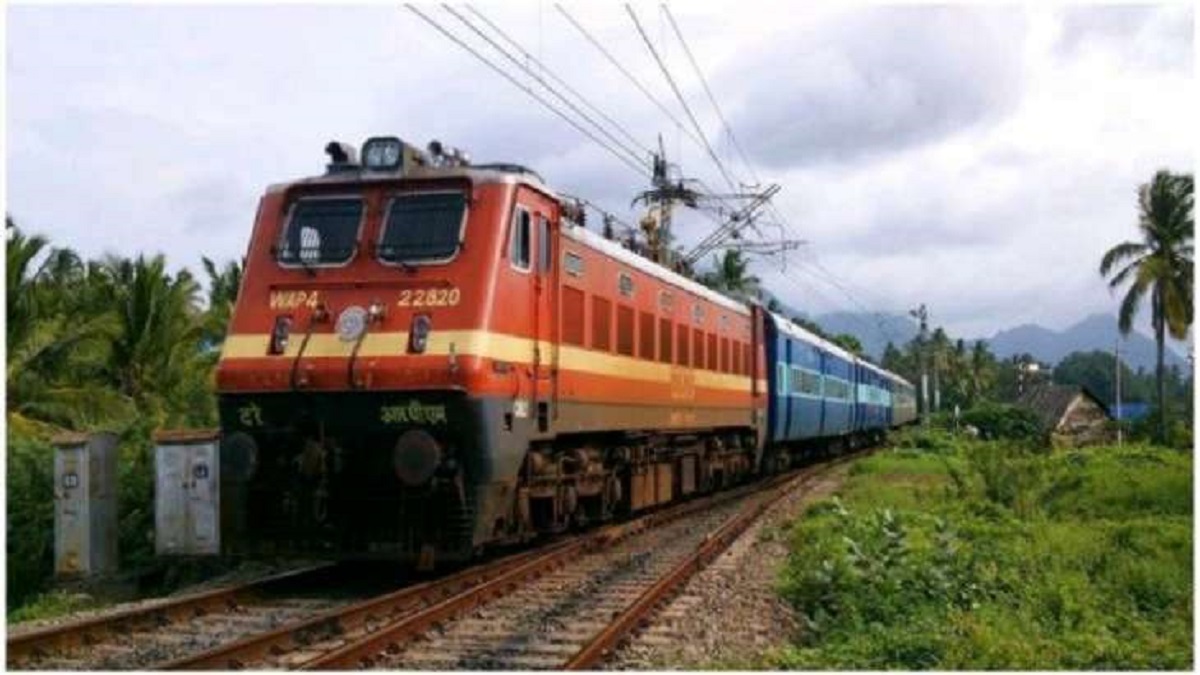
(519,239)
(543,244)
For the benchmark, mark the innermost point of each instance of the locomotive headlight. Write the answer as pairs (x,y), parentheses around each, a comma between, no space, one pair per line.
(383,153)
(279,335)
(418,335)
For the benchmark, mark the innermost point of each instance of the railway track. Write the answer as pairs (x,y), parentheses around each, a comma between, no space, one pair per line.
(563,605)
(150,632)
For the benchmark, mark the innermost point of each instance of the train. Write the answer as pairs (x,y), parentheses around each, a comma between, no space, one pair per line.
(429,358)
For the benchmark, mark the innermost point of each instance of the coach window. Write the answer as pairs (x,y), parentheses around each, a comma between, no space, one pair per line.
(518,241)
(543,243)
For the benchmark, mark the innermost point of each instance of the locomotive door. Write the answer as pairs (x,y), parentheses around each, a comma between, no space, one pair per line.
(545,320)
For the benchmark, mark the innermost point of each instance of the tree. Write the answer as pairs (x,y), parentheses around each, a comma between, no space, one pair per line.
(1095,370)
(57,338)
(1160,264)
(223,286)
(731,275)
(848,342)
(810,326)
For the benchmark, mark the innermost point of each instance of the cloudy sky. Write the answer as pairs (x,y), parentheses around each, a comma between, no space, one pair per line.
(977,159)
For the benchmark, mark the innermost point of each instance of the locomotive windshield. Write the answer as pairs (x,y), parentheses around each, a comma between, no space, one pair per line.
(423,227)
(321,231)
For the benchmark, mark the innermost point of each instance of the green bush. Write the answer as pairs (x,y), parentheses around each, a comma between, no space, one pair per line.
(997,421)
(30,527)
(1019,560)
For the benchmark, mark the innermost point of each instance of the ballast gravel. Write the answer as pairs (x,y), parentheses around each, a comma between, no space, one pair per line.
(730,614)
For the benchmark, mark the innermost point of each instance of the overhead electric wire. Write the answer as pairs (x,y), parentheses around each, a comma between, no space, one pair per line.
(679,96)
(624,71)
(517,62)
(565,85)
(641,170)
(711,98)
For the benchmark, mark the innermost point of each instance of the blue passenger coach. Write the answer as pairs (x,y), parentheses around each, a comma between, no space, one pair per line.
(811,383)
(817,390)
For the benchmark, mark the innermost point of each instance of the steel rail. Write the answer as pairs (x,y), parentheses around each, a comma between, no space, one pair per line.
(338,621)
(591,655)
(41,642)
(365,651)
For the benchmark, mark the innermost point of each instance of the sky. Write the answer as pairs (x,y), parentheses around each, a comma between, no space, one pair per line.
(978,159)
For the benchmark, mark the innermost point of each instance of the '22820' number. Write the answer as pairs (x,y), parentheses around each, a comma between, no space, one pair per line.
(429,297)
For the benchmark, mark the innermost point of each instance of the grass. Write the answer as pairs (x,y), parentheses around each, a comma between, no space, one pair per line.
(950,554)
(51,604)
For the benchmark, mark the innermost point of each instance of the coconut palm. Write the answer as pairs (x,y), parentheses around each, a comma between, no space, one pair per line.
(1160,264)
(223,285)
(730,275)
(156,351)
(56,341)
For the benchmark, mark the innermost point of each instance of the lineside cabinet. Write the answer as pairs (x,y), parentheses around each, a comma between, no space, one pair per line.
(85,504)
(187,493)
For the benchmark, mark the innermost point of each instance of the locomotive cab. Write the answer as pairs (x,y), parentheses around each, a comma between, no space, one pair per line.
(371,389)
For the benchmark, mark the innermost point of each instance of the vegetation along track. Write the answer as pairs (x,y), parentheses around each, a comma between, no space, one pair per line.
(565,607)
(151,632)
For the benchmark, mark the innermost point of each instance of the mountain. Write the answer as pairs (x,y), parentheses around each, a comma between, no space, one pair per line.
(1098,331)
(873,329)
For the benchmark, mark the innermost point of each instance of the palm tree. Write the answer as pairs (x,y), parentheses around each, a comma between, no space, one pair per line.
(223,286)
(157,351)
(981,372)
(1161,264)
(56,339)
(730,275)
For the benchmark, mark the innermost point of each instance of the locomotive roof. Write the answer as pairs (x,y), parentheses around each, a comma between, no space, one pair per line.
(504,174)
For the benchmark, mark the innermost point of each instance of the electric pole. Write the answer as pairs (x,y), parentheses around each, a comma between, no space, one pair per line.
(922,315)
(1120,432)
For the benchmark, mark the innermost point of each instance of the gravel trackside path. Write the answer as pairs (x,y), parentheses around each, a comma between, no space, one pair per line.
(730,614)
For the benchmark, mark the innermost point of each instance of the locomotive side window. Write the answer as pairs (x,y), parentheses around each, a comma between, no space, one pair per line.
(543,244)
(423,227)
(321,231)
(518,241)
(573,264)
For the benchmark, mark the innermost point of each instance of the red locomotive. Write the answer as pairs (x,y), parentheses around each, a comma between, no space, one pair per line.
(428,357)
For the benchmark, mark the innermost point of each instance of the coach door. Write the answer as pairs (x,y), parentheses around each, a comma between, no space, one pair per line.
(545,357)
